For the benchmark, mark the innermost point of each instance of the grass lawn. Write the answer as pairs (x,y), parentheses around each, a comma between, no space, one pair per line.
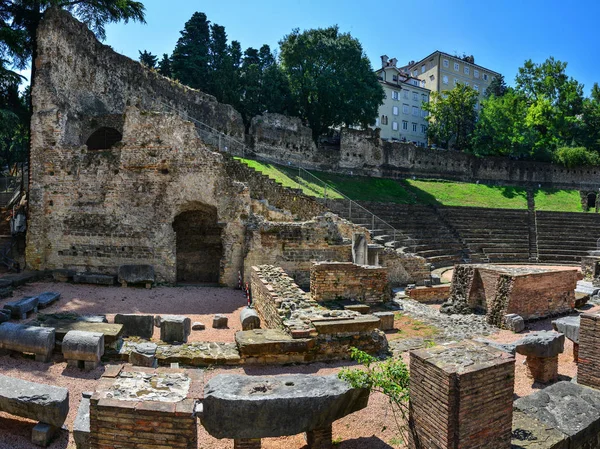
(409,191)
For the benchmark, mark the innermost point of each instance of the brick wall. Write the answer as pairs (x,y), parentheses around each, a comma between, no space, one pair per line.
(266,300)
(588,367)
(430,294)
(461,397)
(345,280)
(404,268)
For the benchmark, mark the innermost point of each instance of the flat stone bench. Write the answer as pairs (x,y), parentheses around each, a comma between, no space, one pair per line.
(35,340)
(542,349)
(20,308)
(248,408)
(83,349)
(136,274)
(44,403)
(46,299)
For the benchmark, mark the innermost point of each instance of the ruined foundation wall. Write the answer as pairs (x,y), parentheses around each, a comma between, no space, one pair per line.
(404,268)
(331,281)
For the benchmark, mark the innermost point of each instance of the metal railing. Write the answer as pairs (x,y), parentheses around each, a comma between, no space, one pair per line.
(231,145)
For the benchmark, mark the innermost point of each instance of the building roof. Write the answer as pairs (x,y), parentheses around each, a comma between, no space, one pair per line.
(404,74)
(455,57)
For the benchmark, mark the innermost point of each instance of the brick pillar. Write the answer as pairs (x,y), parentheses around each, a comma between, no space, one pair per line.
(543,369)
(320,438)
(588,368)
(461,396)
(247,443)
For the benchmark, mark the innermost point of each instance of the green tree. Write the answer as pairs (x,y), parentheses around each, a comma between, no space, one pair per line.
(164,66)
(497,87)
(331,80)
(589,134)
(14,117)
(452,117)
(191,59)
(148,59)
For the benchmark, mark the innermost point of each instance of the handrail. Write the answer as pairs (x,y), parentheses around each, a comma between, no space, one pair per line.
(242,145)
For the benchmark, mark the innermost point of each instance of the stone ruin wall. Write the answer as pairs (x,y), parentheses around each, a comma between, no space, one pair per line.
(330,281)
(404,268)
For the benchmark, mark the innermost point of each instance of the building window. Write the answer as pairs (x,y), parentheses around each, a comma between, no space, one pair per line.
(445,79)
(423,68)
(405,108)
(405,95)
(395,126)
(455,81)
(446,63)
(404,124)
(466,83)
(423,113)
(431,77)
(384,120)
(476,73)
(485,77)
(456,66)
(414,127)
(467,70)
(416,82)
(415,96)
(423,129)
(395,110)
(416,111)
(423,98)
(416,73)
(395,77)
(476,87)
(394,95)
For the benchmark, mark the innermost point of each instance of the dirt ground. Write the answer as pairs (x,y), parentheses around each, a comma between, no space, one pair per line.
(372,428)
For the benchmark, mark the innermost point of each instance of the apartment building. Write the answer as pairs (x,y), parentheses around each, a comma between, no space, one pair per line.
(441,71)
(401,116)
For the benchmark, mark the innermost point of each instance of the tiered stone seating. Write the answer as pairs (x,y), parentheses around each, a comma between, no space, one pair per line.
(564,237)
(498,235)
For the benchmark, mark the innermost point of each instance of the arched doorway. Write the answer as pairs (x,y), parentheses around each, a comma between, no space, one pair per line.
(591,201)
(103,139)
(199,245)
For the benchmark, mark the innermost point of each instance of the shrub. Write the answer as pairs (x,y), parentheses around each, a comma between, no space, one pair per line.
(576,156)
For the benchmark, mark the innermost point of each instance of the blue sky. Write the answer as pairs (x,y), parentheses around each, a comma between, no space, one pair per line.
(501,34)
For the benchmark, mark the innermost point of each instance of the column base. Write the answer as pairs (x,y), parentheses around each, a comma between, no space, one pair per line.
(320,438)
(543,369)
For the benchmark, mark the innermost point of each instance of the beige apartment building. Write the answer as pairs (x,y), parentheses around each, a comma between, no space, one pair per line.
(441,71)
(401,116)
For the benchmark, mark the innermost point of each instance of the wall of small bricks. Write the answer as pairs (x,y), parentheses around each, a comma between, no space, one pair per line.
(430,294)
(266,299)
(331,281)
(588,368)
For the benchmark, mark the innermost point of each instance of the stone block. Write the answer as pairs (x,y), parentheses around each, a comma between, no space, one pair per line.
(42,434)
(112,332)
(513,322)
(543,369)
(4,315)
(28,339)
(219,322)
(531,433)
(46,299)
(98,279)
(569,326)
(541,344)
(359,249)
(63,275)
(363,309)
(19,309)
(136,274)
(175,328)
(386,320)
(198,326)
(266,342)
(320,438)
(435,279)
(237,406)
(363,323)
(249,318)
(81,425)
(32,400)
(144,354)
(136,325)
(81,346)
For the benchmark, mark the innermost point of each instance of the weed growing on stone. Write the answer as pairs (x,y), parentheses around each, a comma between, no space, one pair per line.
(389,377)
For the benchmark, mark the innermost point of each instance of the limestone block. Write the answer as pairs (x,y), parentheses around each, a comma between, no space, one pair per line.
(386,320)
(136,325)
(198,326)
(19,309)
(81,426)
(363,323)
(28,339)
(237,406)
(249,318)
(219,321)
(359,249)
(63,275)
(45,403)
(42,434)
(568,325)
(98,279)
(136,274)
(363,309)
(514,322)
(175,328)
(541,344)
(143,354)
(83,346)
(46,299)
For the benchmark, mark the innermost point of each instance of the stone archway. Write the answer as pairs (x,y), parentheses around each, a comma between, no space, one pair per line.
(591,201)
(199,248)
(103,138)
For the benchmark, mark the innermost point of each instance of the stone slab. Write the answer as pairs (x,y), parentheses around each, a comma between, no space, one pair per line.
(249,319)
(175,328)
(82,345)
(237,406)
(4,315)
(21,307)
(569,326)
(136,274)
(265,342)
(541,344)
(25,277)
(143,354)
(112,332)
(220,322)
(530,433)
(28,339)
(572,409)
(363,323)
(198,353)
(46,299)
(81,425)
(98,279)
(136,325)
(386,320)
(363,309)
(40,402)
(63,275)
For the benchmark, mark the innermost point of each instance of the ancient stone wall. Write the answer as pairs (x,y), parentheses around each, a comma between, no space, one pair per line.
(295,246)
(588,371)
(345,280)
(266,300)
(430,294)
(404,268)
